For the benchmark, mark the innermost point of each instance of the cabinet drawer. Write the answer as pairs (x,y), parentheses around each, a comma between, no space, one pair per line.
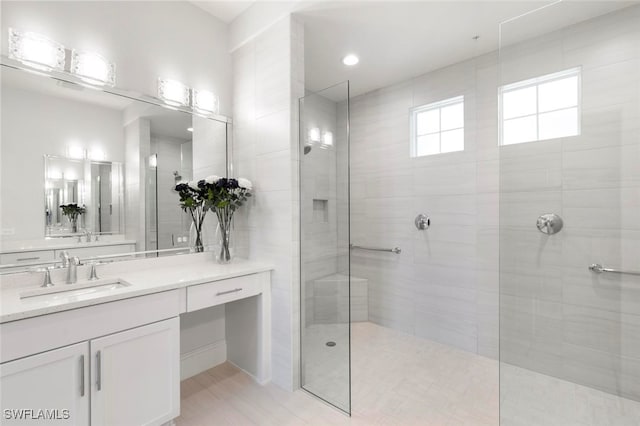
(26,257)
(218,292)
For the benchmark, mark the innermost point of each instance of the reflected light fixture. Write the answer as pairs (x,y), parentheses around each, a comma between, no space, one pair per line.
(314,135)
(205,101)
(96,154)
(190,129)
(36,50)
(54,174)
(76,151)
(327,139)
(350,60)
(173,92)
(93,68)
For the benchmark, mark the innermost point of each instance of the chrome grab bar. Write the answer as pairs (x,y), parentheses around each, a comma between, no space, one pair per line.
(395,250)
(598,269)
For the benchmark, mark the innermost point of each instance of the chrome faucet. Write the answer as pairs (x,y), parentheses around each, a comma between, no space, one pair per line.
(72,272)
(87,235)
(64,257)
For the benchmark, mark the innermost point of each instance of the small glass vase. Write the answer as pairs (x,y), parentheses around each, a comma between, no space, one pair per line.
(74,225)
(196,238)
(225,250)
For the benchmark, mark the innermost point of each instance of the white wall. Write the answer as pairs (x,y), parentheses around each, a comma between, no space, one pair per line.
(146,39)
(268,79)
(172,221)
(137,138)
(34,125)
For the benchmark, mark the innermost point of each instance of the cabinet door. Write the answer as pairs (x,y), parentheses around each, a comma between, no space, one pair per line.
(51,387)
(135,376)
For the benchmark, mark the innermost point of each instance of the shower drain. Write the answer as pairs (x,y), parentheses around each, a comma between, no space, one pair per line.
(331,344)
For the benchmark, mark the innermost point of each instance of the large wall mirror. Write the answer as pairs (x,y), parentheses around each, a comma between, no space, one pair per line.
(92,172)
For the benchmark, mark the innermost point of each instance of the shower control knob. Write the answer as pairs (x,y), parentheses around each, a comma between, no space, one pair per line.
(549,223)
(422,222)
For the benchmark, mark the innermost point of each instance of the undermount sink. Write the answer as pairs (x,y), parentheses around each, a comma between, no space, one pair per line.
(85,288)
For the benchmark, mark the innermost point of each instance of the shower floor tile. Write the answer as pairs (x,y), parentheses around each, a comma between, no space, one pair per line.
(399,379)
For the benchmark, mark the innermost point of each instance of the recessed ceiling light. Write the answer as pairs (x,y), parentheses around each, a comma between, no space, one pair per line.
(350,60)
(189,129)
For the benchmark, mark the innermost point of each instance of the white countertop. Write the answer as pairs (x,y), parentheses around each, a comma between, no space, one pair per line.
(59,244)
(145,276)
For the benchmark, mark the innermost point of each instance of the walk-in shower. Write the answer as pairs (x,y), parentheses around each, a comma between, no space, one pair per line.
(469,238)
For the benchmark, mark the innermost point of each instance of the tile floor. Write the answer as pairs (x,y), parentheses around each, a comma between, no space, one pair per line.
(399,379)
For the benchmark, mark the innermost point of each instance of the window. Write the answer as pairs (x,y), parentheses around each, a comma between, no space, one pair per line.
(546,107)
(438,127)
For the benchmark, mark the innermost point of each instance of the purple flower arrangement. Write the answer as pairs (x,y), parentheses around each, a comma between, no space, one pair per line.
(222,195)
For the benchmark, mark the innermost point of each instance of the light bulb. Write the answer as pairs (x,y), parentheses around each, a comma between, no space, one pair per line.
(93,68)
(350,60)
(173,92)
(36,50)
(205,101)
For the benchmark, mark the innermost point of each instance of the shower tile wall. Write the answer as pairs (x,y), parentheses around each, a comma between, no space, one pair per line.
(444,284)
(557,318)
(268,79)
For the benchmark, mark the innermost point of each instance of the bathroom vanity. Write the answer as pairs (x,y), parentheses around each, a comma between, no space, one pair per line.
(112,351)
(107,352)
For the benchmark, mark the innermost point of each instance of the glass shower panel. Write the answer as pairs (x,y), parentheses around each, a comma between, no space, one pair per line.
(325,279)
(569,334)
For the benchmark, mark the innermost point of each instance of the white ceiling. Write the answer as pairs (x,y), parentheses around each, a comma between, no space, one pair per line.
(226,11)
(400,40)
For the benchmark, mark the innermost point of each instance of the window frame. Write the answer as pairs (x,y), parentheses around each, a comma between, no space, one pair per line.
(439,105)
(536,82)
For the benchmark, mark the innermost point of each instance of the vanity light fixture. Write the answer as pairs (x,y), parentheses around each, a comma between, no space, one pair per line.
(205,101)
(314,135)
(173,92)
(36,50)
(350,60)
(190,129)
(93,68)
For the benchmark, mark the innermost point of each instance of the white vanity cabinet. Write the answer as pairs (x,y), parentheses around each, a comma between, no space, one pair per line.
(126,378)
(117,362)
(56,380)
(136,376)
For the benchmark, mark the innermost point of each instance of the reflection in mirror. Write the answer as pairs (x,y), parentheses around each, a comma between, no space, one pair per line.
(114,156)
(95,187)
